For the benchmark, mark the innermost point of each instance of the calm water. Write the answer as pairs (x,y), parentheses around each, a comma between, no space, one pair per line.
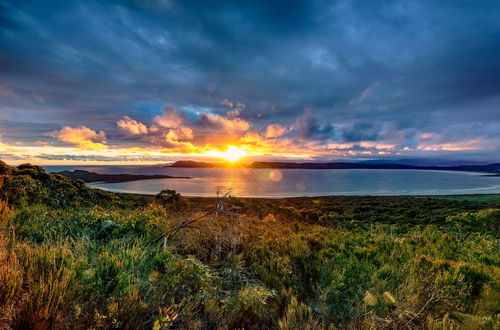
(297,182)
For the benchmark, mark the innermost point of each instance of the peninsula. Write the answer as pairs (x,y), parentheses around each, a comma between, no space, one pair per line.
(113,178)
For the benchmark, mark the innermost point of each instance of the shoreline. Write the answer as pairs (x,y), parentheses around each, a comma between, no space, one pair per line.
(485,197)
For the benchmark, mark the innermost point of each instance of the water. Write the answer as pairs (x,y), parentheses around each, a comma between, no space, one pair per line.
(296,182)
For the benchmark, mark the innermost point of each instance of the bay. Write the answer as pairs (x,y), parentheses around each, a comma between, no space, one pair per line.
(245,182)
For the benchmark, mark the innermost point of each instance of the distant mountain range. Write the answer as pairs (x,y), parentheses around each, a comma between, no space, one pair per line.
(425,162)
(488,168)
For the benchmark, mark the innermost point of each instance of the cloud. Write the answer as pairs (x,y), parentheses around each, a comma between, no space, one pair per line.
(175,127)
(394,64)
(275,130)
(473,144)
(361,131)
(171,118)
(228,103)
(233,113)
(132,126)
(181,134)
(7,91)
(81,136)
(176,140)
(237,108)
(230,124)
(364,94)
(40,98)
(308,127)
(377,145)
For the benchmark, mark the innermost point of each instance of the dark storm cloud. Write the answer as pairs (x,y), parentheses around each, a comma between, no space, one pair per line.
(362,131)
(416,66)
(309,127)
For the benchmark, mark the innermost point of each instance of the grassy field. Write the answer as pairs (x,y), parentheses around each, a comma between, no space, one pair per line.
(74,257)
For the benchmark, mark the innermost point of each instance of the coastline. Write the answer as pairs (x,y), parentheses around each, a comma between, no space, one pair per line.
(467,197)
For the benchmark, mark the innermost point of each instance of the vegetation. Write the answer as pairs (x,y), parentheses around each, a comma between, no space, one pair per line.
(75,257)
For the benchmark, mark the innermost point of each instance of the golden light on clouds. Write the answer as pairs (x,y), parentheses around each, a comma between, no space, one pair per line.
(132,126)
(177,134)
(81,136)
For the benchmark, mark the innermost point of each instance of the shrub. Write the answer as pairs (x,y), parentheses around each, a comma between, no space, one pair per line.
(11,281)
(171,200)
(250,307)
(298,316)
(48,275)
(486,221)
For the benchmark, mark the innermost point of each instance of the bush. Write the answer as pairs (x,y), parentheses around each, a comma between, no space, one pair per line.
(171,200)
(485,221)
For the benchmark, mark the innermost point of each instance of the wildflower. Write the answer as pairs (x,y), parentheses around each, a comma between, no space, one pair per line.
(370,299)
(389,297)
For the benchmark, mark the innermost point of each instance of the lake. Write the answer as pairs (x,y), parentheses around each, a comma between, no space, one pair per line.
(246,182)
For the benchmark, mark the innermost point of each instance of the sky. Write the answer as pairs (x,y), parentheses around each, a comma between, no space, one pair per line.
(155,81)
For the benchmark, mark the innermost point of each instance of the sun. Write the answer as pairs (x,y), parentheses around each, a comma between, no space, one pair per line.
(232,154)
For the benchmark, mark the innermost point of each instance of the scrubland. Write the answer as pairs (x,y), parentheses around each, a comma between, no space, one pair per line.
(74,257)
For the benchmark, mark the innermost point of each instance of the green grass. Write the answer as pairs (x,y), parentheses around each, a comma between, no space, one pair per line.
(72,257)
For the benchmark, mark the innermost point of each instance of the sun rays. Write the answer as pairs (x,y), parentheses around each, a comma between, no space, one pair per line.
(232,154)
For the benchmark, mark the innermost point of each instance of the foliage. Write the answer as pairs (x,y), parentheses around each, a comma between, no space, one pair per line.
(171,200)
(71,256)
(29,184)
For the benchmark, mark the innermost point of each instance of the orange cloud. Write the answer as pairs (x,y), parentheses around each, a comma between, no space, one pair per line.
(275,130)
(171,118)
(174,128)
(81,136)
(179,134)
(132,126)
(177,140)
(232,124)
